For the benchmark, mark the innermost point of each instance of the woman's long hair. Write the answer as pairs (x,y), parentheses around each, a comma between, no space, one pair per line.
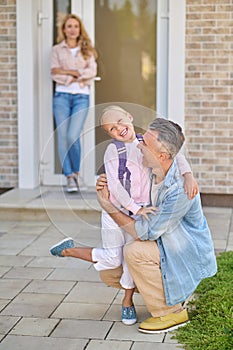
(83,40)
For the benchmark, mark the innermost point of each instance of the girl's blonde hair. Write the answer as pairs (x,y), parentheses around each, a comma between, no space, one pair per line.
(84,40)
(112,108)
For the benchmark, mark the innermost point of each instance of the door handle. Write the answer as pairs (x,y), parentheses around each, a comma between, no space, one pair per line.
(41,18)
(97,78)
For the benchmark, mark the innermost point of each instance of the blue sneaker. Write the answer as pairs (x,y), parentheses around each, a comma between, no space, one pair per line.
(128,315)
(60,246)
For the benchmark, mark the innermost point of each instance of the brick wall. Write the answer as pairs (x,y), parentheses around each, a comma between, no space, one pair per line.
(209,93)
(8,95)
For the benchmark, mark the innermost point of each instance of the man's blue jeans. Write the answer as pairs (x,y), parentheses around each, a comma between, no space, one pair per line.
(70,113)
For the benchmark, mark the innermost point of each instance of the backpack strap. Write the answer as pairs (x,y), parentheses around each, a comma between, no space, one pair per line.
(139,137)
(122,168)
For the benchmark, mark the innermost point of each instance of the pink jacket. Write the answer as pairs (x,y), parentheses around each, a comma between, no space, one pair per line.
(62,58)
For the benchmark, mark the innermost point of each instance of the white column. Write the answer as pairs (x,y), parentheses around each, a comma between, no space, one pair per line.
(27,62)
(176,62)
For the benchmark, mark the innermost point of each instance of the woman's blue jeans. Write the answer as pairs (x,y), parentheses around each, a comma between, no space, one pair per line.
(70,113)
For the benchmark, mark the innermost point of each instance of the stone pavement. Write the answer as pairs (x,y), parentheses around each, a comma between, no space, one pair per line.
(56,303)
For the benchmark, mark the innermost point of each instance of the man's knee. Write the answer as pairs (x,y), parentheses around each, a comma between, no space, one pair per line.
(132,250)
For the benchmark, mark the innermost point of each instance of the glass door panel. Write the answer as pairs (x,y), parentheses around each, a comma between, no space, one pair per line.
(125,38)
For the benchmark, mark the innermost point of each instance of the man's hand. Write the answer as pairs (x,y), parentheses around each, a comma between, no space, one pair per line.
(190,185)
(147,210)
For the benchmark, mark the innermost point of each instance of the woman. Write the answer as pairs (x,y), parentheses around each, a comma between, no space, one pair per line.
(73,68)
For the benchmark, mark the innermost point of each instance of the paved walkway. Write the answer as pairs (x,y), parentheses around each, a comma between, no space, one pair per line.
(55,303)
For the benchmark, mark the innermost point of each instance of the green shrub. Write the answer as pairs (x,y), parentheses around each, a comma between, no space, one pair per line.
(211,312)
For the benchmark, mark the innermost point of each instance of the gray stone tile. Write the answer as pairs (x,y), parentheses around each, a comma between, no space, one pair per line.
(137,298)
(4,270)
(6,323)
(7,225)
(14,244)
(28,228)
(148,346)
(10,288)
(39,327)
(3,303)
(168,338)
(120,331)
(33,305)
(81,311)
(28,272)
(220,244)
(89,275)
(15,261)
(55,262)
(50,287)
(42,343)
(109,344)
(91,292)
(82,329)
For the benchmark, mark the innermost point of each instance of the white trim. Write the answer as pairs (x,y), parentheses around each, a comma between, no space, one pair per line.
(176,63)
(27,74)
(162,58)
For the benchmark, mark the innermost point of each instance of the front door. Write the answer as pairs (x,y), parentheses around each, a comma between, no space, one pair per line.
(125,36)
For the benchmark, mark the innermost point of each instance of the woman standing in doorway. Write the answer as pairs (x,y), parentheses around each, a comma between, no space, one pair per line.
(73,68)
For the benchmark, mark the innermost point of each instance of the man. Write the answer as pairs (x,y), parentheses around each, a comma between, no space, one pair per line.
(173,250)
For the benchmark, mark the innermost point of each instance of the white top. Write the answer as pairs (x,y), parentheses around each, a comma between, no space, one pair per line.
(140,178)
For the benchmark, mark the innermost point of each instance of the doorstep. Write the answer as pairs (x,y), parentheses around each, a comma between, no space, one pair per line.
(45,201)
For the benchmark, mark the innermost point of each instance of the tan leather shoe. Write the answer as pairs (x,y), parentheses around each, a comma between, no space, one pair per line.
(164,323)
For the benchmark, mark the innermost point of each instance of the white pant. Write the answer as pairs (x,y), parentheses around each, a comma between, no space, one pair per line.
(111,255)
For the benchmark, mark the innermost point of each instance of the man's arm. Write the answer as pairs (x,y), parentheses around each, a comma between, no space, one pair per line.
(122,220)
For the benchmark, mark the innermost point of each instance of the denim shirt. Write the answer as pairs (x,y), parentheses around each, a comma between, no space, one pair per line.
(183,238)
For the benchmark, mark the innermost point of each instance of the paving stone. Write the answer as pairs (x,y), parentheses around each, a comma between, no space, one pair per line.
(28,228)
(42,343)
(39,327)
(3,303)
(56,262)
(120,331)
(88,275)
(27,272)
(33,305)
(77,329)
(50,287)
(10,288)
(15,261)
(13,244)
(4,270)
(7,322)
(108,344)
(81,311)
(168,338)
(150,346)
(91,292)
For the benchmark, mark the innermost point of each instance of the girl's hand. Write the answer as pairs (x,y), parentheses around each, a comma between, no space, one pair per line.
(147,210)
(101,182)
(190,185)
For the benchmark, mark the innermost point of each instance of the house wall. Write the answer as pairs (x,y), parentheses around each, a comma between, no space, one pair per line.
(208,93)
(8,95)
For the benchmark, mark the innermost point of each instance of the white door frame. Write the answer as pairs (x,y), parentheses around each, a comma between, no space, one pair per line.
(28,75)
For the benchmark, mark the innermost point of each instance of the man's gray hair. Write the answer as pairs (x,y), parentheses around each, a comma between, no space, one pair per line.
(170,135)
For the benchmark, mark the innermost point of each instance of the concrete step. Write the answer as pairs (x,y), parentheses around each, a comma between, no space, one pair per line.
(48,203)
